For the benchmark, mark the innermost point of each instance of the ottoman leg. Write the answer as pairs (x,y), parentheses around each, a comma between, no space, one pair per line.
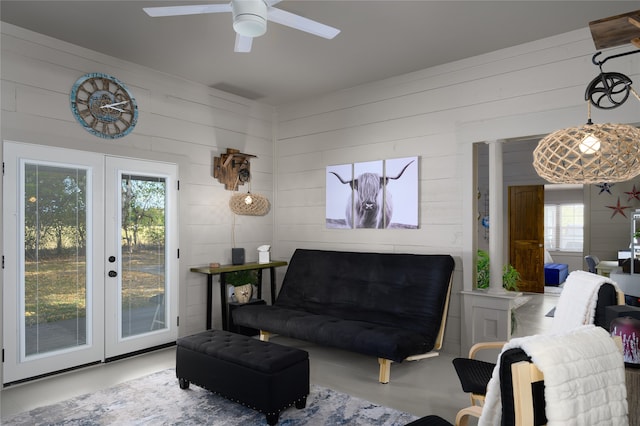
(184,383)
(301,403)
(272,418)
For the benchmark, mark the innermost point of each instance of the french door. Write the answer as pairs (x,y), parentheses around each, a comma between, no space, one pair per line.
(90,258)
(141,255)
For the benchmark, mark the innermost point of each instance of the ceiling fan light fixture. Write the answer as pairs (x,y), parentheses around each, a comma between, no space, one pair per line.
(249,17)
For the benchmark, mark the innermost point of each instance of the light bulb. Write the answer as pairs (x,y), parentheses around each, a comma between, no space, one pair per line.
(589,145)
(248,199)
(250,26)
(249,17)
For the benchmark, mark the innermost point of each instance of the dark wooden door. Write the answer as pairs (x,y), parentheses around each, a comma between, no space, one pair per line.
(526,235)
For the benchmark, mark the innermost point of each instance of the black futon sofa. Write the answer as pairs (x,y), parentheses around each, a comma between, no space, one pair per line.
(388,305)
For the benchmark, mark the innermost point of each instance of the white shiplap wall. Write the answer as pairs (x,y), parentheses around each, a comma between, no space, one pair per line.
(179,121)
(436,114)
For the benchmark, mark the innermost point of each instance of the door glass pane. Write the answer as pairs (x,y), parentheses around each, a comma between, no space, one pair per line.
(55,268)
(143,254)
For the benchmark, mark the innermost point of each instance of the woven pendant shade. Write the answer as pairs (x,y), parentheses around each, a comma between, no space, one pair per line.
(249,204)
(559,157)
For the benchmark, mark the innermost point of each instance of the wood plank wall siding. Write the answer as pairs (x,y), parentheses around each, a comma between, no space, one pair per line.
(435,113)
(178,122)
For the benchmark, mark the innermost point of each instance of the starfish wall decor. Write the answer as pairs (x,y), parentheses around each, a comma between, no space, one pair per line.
(633,194)
(605,187)
(618,209)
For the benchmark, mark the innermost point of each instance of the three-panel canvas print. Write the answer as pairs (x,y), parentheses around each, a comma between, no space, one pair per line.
(379,194)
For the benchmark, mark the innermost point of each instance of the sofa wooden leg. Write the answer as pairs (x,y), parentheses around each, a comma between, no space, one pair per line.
(264,335)
(385,370)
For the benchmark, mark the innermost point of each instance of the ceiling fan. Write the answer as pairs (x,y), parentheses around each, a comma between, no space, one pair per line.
(249,19)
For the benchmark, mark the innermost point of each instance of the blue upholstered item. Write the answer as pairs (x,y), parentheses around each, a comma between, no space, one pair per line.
(555,273)
(387,305)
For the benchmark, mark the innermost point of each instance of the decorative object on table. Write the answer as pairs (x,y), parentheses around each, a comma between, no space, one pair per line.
(103,105)
(628,329)
(237,256)
(243,282)
(250,19)
(619,311)
(596,153)
(264,255)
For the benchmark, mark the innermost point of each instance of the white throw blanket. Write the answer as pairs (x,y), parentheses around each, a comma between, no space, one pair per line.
(583,378)
(577,304)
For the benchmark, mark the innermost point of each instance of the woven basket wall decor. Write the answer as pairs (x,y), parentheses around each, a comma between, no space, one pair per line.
(256,205)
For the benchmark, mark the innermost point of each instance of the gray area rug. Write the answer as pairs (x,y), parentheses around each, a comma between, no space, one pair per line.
(158,400)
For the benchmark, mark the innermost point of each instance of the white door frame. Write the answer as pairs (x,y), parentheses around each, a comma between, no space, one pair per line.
(103,339)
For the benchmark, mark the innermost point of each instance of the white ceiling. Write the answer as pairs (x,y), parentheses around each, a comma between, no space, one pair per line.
(379,39)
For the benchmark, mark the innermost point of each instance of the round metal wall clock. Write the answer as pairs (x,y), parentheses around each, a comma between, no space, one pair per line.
(103,105)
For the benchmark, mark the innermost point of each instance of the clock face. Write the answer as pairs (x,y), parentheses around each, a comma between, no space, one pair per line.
(103,105)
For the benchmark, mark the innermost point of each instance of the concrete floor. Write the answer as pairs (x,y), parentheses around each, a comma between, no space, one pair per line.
(429,386)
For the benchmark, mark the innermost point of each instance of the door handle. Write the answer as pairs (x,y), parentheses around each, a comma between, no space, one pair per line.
(113,274)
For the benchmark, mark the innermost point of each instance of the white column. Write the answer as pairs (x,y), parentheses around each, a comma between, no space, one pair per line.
(496,217)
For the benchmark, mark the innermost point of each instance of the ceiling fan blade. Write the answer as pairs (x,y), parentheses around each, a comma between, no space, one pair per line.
(187,10)
(243,44)
(298,22)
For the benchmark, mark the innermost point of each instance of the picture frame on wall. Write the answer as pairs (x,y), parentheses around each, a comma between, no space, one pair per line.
(338,196)
(379,194)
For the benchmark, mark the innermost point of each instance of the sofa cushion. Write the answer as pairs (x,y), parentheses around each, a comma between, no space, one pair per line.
(405,291)
(363,337)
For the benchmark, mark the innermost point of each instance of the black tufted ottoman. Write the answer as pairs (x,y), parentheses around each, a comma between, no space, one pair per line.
(264,376)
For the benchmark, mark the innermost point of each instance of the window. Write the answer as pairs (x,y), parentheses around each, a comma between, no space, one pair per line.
(564,226)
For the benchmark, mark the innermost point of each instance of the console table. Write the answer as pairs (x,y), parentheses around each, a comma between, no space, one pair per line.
(222,270)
